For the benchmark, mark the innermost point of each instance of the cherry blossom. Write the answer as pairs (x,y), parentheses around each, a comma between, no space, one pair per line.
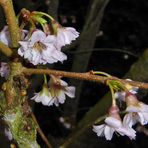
(113,124)
(4,70)
(137,111)
(65,35)
(40,49)
(59,89)
(56,93)
(43,96)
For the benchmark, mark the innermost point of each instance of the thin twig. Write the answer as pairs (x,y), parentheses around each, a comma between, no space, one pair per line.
(83,76)
(41,132)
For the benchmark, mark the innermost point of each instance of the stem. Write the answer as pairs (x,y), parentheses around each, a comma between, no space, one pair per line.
(11,21)
(82,76)
(38,12)
(113,95)
(101,73)
(5,49)
(41,132)
(45,79)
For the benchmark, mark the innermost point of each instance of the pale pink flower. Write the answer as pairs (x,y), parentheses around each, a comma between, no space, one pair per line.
(4,70)
(65,35)
(137,111)
(43,96)
(40,49)
(113,124)
(56,93)
(59,89)
(5,35)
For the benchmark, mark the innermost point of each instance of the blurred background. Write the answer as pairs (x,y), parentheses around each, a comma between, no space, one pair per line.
(113,39)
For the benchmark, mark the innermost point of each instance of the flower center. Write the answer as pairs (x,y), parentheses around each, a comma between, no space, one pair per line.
(39,46)
(55,89)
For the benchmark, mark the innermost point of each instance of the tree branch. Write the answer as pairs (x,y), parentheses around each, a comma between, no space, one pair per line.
(5,49)
(11,21)
(89,76)
(41,132)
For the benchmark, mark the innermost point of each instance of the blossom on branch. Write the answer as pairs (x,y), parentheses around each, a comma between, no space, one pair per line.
(43,96)
(65,35)
(56,93)
(40,49)
(113,124)
(137,111)
(59,89)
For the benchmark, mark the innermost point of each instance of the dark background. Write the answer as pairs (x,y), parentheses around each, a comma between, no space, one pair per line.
(120,41)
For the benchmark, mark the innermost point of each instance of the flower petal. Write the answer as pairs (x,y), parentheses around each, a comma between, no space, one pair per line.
(99,129)
(113,122)
(108,132)
(70,91)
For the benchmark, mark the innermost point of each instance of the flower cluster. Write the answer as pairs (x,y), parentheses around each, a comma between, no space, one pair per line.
(136,111)
(55,92)
(113,123)
(40,49)
(41,46)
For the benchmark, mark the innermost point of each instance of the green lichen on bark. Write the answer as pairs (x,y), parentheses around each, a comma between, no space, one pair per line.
(15,110)
(22,127)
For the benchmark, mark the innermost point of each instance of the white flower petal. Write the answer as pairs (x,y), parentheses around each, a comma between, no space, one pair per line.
(132,108)
(45,100)
(108,132)
(70,91)
(58,55)
(113,122)
(144,107)
(38,36)
(61,97)
(129,120)
(99,129)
